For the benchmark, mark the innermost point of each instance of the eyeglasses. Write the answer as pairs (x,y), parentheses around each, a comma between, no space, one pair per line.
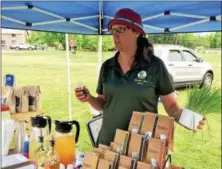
(118,29)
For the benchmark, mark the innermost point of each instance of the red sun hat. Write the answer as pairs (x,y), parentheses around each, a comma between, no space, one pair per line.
(129,18)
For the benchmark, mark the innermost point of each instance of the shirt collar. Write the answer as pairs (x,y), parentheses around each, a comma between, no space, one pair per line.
(114,63)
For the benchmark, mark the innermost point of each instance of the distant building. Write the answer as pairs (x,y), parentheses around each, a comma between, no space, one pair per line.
(12,36)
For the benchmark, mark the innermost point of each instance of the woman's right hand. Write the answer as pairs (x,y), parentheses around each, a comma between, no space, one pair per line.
(82,94)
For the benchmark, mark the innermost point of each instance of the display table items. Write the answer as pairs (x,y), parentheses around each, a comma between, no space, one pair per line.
(148,144)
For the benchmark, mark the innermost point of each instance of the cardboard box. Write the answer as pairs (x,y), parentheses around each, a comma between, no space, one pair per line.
(141,165)
(136,122)
(90,160)
(165,130)
(103,164)
(125,161)
(135,145)
(121,141)
(156,153)
(148,123)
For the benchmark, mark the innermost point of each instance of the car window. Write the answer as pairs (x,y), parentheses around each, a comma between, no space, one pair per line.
(175,56)
(189,57)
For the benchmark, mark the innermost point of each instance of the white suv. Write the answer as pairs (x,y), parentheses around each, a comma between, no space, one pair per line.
(22,46)
(184,66)
(25,46)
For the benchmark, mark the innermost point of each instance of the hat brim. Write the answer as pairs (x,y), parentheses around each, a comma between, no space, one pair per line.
(127,24)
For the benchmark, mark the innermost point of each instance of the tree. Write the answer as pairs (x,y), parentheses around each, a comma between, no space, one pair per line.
(108,44)
(189,40)
(49,38)
(215,40)
(90,42)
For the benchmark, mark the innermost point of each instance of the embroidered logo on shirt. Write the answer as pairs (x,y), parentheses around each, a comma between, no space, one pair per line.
(141,76)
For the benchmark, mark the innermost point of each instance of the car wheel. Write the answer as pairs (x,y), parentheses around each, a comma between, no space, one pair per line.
(207,80)
(30,48)
(17,48)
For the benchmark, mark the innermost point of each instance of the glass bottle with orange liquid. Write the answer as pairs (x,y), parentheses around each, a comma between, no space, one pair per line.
(52,157)
(65,141)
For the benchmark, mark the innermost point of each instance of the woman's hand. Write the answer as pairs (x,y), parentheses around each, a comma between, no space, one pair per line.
(199,127)
(174,110)
(191,120)
(82,94)
(201,124)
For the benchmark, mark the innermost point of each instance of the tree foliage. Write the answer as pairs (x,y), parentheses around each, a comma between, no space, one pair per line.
(90,42)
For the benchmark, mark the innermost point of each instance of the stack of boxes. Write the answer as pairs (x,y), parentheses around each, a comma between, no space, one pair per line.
(148,144)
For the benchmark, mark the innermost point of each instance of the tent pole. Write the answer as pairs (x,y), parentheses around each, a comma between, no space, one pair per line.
(100,36)
(99,54)
(69,76)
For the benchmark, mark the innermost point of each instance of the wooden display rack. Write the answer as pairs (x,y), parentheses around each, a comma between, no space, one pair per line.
(26,118)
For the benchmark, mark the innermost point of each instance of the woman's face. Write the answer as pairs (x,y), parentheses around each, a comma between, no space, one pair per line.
(124,38)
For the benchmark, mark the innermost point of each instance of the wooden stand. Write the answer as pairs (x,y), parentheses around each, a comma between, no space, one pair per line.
(26,117)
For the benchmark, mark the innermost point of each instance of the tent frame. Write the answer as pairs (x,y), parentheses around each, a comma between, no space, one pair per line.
(61,19)
(99,30)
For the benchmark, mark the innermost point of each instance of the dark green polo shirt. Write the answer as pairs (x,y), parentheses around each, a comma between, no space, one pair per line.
(136,90)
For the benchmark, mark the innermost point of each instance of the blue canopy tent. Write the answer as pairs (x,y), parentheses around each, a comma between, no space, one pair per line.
(92,17)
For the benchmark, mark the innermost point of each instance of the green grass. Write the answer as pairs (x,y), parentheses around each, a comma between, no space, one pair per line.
(49,70)
(205,100)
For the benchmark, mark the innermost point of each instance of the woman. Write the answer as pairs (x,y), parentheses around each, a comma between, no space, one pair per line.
(132,80)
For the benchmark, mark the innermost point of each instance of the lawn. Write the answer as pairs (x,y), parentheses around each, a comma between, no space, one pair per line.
(49,70)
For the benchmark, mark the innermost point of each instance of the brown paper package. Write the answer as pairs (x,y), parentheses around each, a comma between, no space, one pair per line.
(104,147)
(135,145)
(173,166)
(99,152)
(165,126)
(90,160)
(136,122)
(103,164)
(157,152)
(125,161)
(120,167)
(111,157)
(22,104)
(34,97)
(148,122)
(141,165)
(121,141)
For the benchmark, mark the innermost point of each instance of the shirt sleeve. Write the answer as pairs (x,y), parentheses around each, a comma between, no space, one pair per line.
(164,83)
(99,89)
